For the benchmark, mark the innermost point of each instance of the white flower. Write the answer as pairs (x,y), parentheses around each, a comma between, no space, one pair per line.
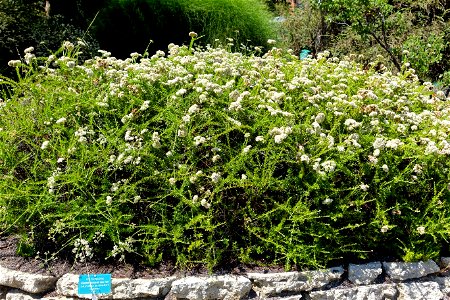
(199,140)
(327,201)
(243,176)
(181,92)
(192,34)
(14,63)
(108,200)
(304,158)
(393,144)
(156,140)
(328,166)
(421,230)
(417,169)
(364,187)
(144,105)
(384,228)
(193,109)
(186,118)
(29,50)
(215,157)
(60,160)
(351,124)
(172,180)
(385,168)
(376,152)
(320,118)
(45,145)
(340,148)
(379,143)
(205,203)
(61,120)
(246,149)
(259,138)
(215,177)
(181,133)
(195,198)
(169,153)
(271,42)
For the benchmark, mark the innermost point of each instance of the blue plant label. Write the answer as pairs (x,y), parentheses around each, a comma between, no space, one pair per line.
(94,284)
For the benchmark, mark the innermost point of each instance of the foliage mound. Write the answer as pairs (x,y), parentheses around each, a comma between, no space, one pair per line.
(124,26)
(209,157)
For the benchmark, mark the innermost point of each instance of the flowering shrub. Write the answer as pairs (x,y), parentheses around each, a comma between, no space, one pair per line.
(207,156)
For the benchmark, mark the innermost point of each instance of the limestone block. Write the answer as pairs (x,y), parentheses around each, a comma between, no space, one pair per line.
(227,287)
(30,283)
(369,292)
(405,270)
(444,284)
(272,284)
(20,295)
(121,288)
(364,274)
(419,291)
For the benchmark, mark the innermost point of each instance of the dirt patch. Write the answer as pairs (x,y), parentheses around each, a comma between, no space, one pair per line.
(9,259)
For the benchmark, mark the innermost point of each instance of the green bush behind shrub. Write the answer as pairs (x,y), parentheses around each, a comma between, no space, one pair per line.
(211,157)
(126,26)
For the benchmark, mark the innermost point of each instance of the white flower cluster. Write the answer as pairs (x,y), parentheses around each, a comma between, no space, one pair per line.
(280,133)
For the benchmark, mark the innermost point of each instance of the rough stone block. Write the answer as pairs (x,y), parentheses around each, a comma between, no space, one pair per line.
(369,292)
(30,283)
(444,284)
(419,291)
(20,295)
(405,270)
(273,284)
(122,288)
(364,274)
(227,287)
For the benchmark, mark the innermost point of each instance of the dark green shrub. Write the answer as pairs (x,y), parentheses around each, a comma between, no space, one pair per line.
(126,26)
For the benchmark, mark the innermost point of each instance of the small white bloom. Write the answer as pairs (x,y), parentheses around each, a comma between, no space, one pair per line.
(376,152)
(385,168)
(364,187)
(29,50)
(186,118)
(61,120)
(320,118)
(172,180)
(169,153)
(327,201)
(181,133)
(108,200)
(243,176)
(259,138)
(45,145)
(246,149)
(271,42)
(215,177)
(193,109)
(60,160)
(304,158)
(195,198)
(215,157)
(384,228)
(205,203)
(421,230)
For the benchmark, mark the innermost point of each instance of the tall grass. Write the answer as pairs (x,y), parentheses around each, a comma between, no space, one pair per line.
(125,26)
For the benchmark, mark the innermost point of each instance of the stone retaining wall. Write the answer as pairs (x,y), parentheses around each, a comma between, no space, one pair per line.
(376,280)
